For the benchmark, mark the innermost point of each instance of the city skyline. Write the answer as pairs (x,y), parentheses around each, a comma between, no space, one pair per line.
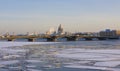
(21,16)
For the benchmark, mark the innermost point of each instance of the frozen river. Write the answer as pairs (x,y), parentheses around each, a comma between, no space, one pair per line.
(60,56)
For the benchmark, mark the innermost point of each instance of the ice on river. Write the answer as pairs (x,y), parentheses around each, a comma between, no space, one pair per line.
(8,44)
(103,59)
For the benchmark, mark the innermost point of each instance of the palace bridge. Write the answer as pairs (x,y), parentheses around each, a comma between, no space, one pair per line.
(32,38)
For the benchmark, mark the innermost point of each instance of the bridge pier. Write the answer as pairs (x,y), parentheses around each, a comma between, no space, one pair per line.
(113,37)
(72,38)
(88,39)
(102,38)
(31,39)
(51,39)
(10,39)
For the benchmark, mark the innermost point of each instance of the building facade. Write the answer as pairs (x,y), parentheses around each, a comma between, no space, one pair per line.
(51,31)
(118,32)
(108,33)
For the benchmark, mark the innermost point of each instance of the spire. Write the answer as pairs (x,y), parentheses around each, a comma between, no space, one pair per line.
(60,29)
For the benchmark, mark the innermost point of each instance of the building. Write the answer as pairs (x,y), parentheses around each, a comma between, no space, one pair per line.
(51,31)
(60,30)
(118,32)
(6,34)
(31,34)
(108,33)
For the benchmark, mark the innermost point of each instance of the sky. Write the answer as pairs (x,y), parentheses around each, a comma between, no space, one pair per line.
(21,16)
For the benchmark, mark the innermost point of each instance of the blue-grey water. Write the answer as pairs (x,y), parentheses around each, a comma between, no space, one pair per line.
(50,57)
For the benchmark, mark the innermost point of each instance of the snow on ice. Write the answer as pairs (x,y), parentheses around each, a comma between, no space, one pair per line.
(103,59)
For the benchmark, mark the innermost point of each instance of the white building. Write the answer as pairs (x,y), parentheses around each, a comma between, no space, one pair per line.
(51,31)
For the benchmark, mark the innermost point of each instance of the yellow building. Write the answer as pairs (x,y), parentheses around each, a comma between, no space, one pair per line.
(118,32)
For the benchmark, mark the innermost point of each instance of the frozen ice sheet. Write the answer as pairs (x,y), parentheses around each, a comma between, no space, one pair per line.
(103,59)
(93,67)
(8,44)
(108,63)
(9,62)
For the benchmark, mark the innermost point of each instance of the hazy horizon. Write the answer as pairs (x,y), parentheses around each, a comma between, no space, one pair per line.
(21,16)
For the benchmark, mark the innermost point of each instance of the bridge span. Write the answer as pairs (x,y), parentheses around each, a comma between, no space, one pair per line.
(54,38)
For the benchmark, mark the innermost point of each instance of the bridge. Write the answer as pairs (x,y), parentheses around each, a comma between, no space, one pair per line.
(49,38)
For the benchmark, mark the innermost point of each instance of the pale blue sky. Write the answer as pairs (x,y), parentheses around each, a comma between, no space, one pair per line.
(20,16)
